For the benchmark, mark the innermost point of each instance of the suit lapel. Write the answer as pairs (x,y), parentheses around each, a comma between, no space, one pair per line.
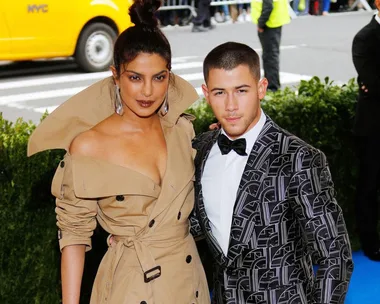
(255,170)
(204,145)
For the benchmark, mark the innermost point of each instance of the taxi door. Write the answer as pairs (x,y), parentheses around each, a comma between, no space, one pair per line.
(39,29)
(5,44)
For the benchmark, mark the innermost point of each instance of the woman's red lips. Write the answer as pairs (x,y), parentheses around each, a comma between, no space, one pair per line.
(145,103)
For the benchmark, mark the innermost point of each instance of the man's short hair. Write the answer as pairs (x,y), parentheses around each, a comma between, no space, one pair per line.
(229,55)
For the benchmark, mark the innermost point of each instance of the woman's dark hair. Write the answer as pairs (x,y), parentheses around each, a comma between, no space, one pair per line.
(143,37)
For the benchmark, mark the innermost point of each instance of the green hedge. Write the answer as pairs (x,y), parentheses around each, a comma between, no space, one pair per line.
(321,113)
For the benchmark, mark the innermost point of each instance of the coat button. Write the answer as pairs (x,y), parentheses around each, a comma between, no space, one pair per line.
(143,302)
(188,259)
(196,294)
(119,198)
(151,223)
(179,215)
(62,164)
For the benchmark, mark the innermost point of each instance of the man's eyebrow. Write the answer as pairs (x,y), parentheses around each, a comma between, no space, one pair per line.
(139,74)
(242,86)
(236,88)
(217,89)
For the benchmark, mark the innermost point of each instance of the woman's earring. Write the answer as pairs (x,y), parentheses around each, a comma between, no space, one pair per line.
(118,103)
(165,106)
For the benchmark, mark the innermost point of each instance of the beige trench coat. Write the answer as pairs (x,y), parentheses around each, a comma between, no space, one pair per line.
(154,258)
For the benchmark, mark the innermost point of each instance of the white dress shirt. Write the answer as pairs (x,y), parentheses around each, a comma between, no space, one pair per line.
(220,181)
(377,18)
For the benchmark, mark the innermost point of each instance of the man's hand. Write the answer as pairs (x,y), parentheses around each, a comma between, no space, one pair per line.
(214,126)
(260,30)
(364,88)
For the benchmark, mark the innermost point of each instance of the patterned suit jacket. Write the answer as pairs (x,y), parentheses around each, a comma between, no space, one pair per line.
(285,219)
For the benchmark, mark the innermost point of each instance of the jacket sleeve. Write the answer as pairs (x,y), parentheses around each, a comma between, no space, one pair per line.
(76,218)
(363,56)
(312,197)
(265,13)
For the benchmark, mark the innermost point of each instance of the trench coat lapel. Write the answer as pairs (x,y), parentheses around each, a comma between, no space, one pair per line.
(124,181)
(94,104)
(179,160)
(246,211)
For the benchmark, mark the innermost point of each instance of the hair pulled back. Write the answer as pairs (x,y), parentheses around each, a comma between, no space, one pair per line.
(143,37)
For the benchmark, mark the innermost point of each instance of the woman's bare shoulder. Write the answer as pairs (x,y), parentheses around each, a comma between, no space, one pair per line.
(86,143)
(91,142)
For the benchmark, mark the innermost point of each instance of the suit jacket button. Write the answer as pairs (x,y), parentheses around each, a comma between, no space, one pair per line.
(188,259)
(179,215)
(143,302)
(151,223)
(196,294)
(62,164)
(119,198)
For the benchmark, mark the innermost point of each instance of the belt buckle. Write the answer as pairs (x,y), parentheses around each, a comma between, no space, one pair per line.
(155,276)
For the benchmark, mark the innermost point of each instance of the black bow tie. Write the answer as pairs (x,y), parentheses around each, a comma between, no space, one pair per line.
(226,145)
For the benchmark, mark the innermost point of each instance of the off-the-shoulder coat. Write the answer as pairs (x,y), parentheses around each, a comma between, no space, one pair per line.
(149,221)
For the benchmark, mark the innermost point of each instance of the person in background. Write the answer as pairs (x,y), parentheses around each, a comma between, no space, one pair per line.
(202,22)
(301,7)
(270,16)
(366,59)
(326,7)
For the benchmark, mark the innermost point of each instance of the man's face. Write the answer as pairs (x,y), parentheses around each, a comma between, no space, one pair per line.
(234,97)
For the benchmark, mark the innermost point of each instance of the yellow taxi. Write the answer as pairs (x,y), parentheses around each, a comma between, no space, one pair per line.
(83,29)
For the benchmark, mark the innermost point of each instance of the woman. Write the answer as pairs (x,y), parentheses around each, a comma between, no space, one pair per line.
(132,171)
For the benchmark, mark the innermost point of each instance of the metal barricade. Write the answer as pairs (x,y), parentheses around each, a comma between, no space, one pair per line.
(229,2)
(168,5)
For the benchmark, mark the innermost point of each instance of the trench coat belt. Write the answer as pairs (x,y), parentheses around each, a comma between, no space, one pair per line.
(140,242)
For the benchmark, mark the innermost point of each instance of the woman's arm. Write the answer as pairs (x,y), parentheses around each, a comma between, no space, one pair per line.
(72,265)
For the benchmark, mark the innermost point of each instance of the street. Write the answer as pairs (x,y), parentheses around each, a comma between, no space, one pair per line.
(311,46)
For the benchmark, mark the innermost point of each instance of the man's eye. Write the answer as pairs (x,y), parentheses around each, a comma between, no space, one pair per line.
(242,91)
(219,93)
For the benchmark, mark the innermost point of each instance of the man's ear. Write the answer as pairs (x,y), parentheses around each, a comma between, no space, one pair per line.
(205,92)
(262,88)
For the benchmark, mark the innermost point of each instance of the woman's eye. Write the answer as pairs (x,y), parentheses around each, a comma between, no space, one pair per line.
(134,77)
(160,78)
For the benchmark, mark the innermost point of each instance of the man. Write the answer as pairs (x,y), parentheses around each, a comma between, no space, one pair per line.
(365,53)
(270,16)
(264,198)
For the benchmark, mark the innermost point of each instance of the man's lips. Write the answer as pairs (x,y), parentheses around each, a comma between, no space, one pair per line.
(232,119)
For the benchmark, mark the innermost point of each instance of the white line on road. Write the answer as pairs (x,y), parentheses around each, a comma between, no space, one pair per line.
(79,77)
(8,100)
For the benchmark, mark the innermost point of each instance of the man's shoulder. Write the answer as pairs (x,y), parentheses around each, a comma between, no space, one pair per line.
(298,146)
(367,32)
(204,138)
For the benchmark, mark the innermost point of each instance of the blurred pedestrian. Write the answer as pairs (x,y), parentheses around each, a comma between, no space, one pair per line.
(202,22)
(326,7)
(365,54)
(270,16)
(301,7)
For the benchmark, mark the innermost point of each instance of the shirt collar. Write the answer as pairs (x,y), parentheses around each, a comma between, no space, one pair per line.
(377,18)
(253,133)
